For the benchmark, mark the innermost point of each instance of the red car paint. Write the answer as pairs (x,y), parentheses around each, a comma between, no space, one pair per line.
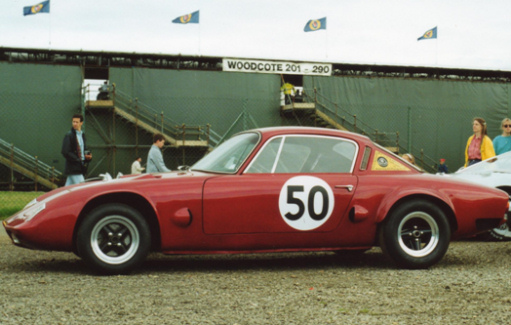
(213,212)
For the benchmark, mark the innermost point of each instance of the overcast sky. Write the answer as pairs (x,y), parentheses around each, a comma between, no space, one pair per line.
(471,33)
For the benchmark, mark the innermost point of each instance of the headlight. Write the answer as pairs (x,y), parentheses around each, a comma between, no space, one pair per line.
(34,207)
(31,203)
(31,212)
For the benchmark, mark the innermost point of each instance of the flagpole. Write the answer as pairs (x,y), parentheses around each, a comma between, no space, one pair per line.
(437,40)
(326,43)
(49,40)
(436,50)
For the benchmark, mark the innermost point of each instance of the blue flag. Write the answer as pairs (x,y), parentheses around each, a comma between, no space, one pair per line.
(430,34)
(35,9)
(192,18)
(315,24)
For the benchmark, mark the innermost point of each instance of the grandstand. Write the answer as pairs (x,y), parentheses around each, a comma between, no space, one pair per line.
(197,103)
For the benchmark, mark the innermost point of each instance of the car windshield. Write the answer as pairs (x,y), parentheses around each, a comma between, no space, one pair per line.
(498,164)
(230,155)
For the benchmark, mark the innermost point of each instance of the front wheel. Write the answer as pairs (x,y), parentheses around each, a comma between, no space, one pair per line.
(415,235)
(114,239)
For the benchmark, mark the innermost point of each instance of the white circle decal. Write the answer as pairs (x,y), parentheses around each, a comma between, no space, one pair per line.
(306,202)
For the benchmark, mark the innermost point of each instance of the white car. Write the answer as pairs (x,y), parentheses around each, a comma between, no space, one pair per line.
(493,172)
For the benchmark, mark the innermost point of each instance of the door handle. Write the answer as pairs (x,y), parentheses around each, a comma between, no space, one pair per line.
(348,187)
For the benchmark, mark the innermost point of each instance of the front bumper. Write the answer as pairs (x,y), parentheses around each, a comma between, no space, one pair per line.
(17,239)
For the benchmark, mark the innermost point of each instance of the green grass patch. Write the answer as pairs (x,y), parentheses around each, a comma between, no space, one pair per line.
(12,202)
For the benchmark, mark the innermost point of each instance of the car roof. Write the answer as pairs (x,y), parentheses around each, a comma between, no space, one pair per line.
(283,130)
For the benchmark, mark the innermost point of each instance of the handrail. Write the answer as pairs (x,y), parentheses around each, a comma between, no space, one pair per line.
(158,120)
(15,156)
(356,125)
(126,100)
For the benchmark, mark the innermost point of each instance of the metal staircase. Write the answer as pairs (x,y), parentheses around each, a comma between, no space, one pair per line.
(149,120)
(321,115)
(318,117)
(322,112)
(22,163)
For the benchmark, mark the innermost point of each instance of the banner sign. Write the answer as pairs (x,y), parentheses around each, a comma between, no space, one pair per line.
(276,67)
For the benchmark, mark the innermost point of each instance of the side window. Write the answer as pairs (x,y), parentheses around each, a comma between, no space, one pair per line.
(264,162)
(294,155)
(333,156)
(305,154)
(365,160)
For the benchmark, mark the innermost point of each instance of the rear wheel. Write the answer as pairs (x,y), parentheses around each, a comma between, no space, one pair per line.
(415,235)
(114,239)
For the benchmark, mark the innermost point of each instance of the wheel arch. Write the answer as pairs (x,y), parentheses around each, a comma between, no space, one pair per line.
(446,209)
(505,188)
(132,200)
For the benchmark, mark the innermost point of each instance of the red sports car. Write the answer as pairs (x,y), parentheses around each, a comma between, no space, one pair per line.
(266,190)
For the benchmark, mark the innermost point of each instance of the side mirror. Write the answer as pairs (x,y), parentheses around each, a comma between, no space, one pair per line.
(106,176)
(183,168)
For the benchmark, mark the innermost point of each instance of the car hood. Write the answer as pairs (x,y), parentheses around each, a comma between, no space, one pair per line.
(123,182)
(484,178)
(493,172)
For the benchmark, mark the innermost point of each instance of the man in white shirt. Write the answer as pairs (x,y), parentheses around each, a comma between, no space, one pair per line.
(136,168)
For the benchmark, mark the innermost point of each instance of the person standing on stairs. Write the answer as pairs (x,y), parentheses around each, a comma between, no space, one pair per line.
(289,92)
(104,93)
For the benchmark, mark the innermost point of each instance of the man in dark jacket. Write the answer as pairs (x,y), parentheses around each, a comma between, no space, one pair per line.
(74,149)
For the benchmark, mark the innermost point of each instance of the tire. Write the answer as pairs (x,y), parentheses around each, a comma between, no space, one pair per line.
(415,235)
(501,233)
(114,239)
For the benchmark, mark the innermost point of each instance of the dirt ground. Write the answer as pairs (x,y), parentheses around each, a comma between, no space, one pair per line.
(471,285)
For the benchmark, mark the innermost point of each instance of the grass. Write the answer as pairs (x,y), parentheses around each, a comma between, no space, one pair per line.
(12,202)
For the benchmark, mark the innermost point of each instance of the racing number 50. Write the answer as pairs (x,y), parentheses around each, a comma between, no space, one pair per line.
(291,199)
(306,202)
